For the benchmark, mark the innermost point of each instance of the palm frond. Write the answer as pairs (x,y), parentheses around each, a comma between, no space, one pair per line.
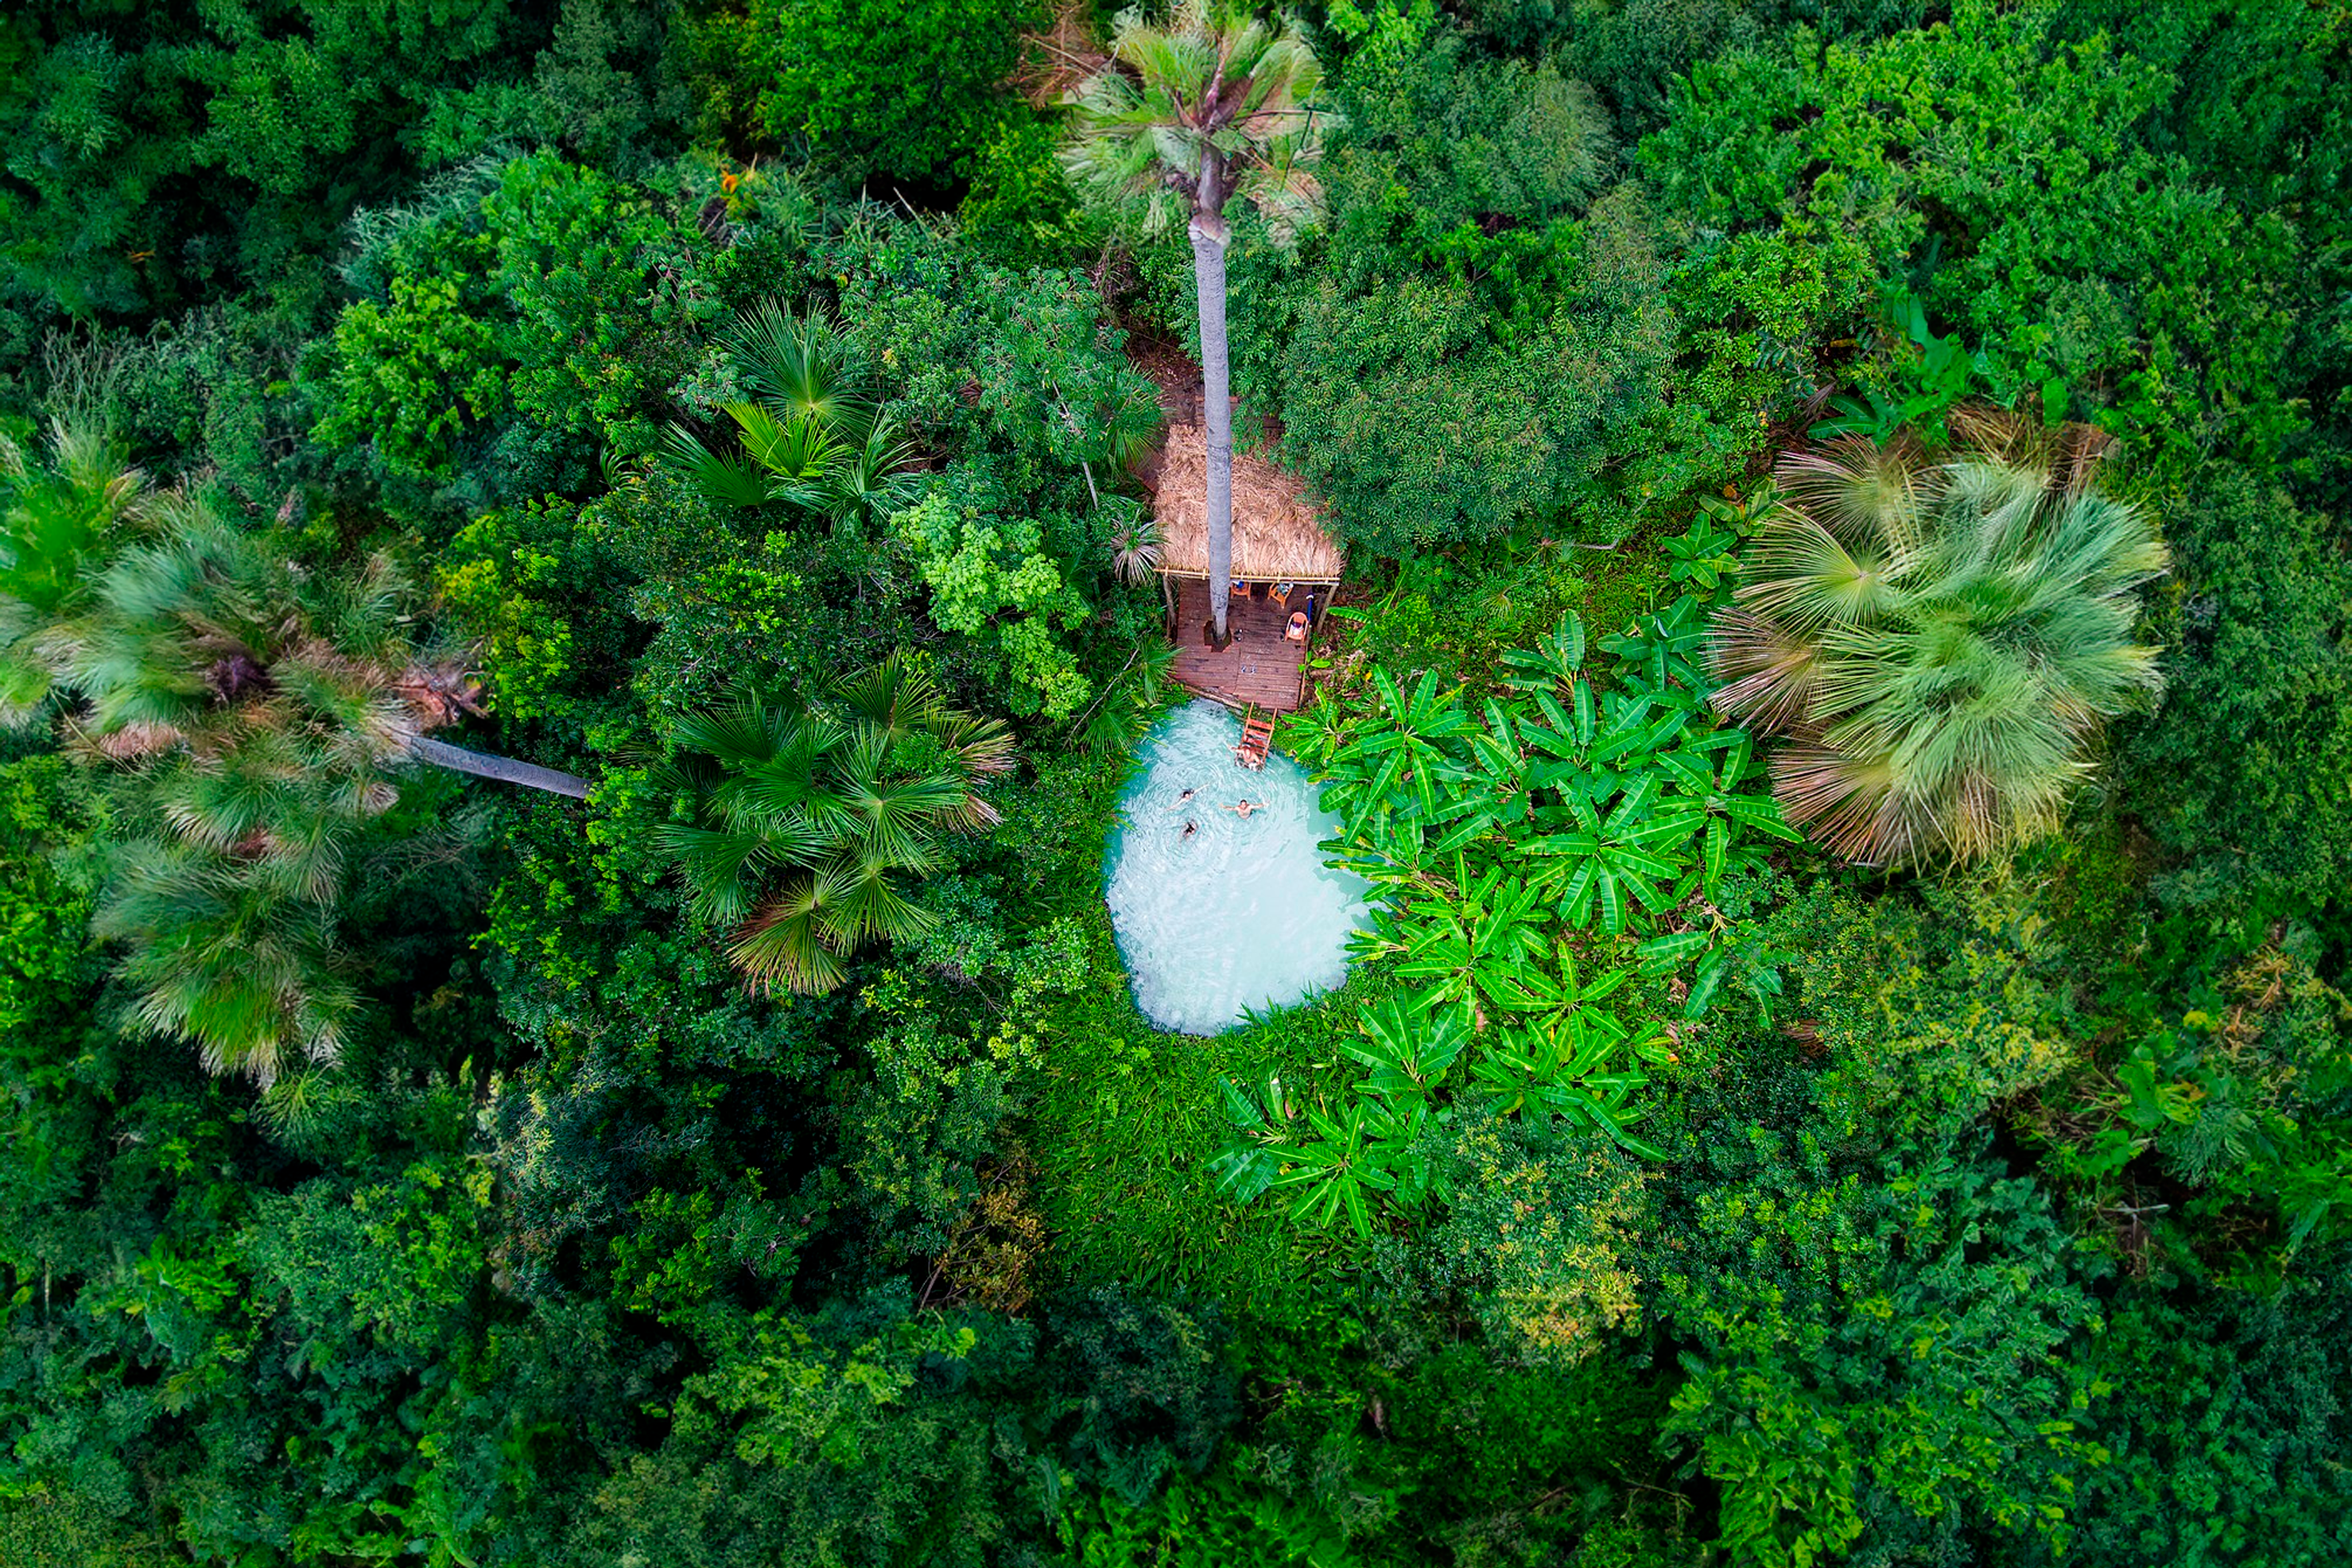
(864,905)
(732,479)
(721,868)
(1939,641)
(744,732)
(784,945)
(804,365)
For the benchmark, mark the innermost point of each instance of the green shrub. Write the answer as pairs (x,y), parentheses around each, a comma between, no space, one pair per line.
(910,91)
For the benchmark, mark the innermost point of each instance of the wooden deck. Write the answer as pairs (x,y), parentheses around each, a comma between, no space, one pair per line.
(1259,665)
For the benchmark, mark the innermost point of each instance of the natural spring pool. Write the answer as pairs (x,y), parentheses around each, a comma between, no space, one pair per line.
(1239,913)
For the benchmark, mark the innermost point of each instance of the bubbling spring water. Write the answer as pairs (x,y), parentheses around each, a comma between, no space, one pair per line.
(1240,912)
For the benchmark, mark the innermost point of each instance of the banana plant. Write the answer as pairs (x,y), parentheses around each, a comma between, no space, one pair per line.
(1400,763)
(1262,1114)
(1530,1072)
(1320,731)
(1564,1004)
(1562,1052)
(1340,1163)
(1556,663)
(1667,647)
(1408,1050)
(1496,825)
(1363,1150)
(1470,950)
(1491,796)
(1612,868)
(1703,555)
(1716,959)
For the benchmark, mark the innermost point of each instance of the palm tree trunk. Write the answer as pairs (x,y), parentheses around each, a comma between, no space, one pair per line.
(506,770)
(1209,236)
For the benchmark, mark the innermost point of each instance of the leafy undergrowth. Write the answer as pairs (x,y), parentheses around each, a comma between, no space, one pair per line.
(1126,1119)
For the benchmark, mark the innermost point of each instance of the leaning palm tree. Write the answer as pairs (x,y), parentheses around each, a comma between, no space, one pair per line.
(1212,104)
(806,815)
(1939,641)
(254,720)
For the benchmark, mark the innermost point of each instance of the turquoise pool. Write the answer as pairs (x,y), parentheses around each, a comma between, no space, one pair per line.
(1239,912)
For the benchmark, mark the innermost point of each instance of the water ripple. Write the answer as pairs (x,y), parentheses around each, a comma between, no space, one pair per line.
(1238,913)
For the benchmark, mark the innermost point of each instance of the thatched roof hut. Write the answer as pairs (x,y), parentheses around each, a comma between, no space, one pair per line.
(1276,535)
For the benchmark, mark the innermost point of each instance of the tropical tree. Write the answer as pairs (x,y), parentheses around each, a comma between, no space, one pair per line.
(254,718)
(804,817)
(811,435)
(1055,370)
(1215,103)
(1938,637)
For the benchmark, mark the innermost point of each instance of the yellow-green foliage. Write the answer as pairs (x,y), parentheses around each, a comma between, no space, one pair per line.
(1543,1241)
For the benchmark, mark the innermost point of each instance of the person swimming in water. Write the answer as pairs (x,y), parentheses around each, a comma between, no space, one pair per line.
(1243,808)
(1190,829)
(1181,799)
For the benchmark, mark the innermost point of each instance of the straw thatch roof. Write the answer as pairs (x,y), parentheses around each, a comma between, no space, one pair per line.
(1276,538)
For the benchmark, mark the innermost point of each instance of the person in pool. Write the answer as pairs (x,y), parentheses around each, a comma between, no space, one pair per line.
(1181,799)
(1243,808)
(1190,829)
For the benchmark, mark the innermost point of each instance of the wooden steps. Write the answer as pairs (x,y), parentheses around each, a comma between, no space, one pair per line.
(1257,736)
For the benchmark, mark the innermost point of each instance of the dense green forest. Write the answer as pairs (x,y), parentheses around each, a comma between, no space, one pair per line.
(574,604)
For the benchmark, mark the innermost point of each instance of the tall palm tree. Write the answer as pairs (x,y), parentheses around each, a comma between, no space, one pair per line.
(1939,640)
(807,814)
(1215,103)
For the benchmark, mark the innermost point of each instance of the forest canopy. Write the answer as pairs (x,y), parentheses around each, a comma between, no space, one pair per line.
(579,594)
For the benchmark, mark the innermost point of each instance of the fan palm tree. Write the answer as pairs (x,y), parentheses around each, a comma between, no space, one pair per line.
(1212,104)
(1939,641)
(807,814)
(257,716)
(811,435)
(1135,548)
